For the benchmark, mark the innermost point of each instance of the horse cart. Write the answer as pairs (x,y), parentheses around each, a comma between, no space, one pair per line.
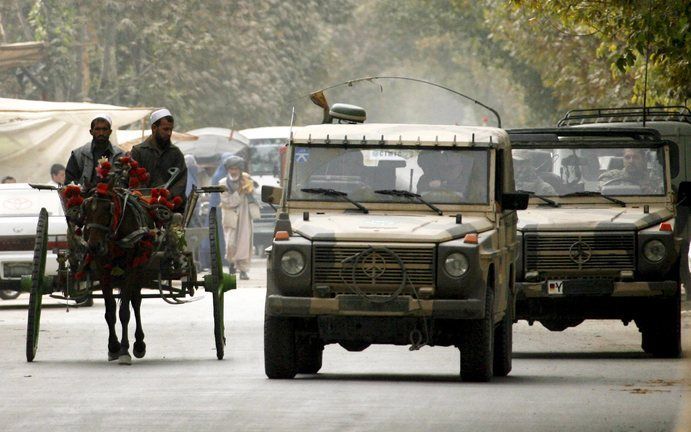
(125,243)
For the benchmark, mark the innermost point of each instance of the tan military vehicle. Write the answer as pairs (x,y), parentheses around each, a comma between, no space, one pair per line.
(598,240)
(393,234)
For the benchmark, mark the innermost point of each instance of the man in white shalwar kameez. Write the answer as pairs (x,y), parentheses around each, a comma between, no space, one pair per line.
(237,222)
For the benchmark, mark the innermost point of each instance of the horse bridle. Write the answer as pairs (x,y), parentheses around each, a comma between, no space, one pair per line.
(91,201)
(111,229)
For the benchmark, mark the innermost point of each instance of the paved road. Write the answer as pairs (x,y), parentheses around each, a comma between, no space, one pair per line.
(592,378)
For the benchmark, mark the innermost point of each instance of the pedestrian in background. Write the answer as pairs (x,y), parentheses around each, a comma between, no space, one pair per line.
(57,175)
(238,206)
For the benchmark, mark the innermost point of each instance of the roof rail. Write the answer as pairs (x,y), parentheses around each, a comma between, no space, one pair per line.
(678,113)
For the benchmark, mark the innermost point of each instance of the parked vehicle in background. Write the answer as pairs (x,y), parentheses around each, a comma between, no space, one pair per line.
(598,240)
(266,147)
(20,205)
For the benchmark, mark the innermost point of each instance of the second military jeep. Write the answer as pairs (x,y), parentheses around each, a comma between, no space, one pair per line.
(393,234)
(599,239)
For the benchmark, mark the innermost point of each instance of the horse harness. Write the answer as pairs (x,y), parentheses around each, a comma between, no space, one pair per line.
(117,216)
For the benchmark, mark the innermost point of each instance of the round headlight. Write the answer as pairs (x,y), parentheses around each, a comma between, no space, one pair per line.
(456,264)
(654,251)
(292,262)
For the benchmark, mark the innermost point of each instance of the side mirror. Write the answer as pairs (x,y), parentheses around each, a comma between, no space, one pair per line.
(514,201)
(272,194)
(684,194)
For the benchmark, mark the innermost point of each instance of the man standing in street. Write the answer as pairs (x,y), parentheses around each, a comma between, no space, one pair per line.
(83,160)
(157,154)
(236,206)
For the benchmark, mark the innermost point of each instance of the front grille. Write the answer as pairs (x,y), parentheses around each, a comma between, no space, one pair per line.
(24,243)
(380,274)
(605,252)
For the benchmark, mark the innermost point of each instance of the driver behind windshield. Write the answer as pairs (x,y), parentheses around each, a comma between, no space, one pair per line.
(441,171)
(634,172)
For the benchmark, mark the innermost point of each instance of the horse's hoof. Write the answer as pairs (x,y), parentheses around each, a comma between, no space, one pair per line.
(125,359)
(139,349)
(112,356)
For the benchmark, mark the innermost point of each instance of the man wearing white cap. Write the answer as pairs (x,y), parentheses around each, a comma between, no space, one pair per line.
(157,154)
(83,160)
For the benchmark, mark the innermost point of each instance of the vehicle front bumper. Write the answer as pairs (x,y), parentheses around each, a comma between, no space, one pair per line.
(354,305)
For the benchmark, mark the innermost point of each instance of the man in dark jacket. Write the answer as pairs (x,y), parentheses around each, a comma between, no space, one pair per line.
(83,160)
(157,154)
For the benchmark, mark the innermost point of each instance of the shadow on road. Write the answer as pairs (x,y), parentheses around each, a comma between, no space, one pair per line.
(575,355)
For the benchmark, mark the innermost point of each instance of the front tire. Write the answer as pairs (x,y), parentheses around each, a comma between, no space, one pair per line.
(309,355)
(478,345)
(279,348)
(503,343)
(661,333)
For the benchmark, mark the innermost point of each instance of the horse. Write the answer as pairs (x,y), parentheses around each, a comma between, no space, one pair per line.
(119,237)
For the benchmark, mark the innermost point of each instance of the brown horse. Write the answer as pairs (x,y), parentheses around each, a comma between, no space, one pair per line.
(117,231)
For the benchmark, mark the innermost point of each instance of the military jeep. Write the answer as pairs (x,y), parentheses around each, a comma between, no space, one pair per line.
(598,240)
(393,234)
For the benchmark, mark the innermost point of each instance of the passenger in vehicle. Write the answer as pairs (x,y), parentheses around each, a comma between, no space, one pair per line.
(634,172)
(526,177)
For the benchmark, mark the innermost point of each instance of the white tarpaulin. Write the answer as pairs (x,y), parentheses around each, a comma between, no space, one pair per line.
(36,134)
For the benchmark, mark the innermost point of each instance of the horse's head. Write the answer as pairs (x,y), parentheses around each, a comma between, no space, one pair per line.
(98,216)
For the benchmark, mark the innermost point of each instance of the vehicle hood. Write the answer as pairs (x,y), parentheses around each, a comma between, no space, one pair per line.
(387,227)
(590,219)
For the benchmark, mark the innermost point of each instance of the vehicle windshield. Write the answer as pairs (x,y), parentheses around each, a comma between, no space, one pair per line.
(449,176)
(265,159)
(609,171)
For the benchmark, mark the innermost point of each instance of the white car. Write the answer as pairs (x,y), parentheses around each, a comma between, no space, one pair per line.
(19,208)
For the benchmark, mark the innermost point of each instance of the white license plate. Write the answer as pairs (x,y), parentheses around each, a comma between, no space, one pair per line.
(555,287)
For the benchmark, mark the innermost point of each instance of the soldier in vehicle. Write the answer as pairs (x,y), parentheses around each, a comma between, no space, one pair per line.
(635,172)
(525,175)
(157,154)
(83,160)
(441,171)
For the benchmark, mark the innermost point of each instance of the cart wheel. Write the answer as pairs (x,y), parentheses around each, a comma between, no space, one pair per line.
(36,296)
(217,277)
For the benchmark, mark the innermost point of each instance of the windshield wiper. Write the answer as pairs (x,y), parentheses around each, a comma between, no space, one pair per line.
(404,193)
(332,192)
(550,202)
(595,193)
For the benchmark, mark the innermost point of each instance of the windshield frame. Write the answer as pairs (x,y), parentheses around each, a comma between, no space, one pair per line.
(592,144)
(383,203)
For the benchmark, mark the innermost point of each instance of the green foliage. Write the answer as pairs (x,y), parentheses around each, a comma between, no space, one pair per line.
(624,32)
(245,63)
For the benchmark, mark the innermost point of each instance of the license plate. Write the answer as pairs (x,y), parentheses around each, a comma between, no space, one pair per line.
(555,287)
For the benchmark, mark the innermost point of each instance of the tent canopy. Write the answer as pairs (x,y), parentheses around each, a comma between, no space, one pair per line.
(36,134)
(21,54)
